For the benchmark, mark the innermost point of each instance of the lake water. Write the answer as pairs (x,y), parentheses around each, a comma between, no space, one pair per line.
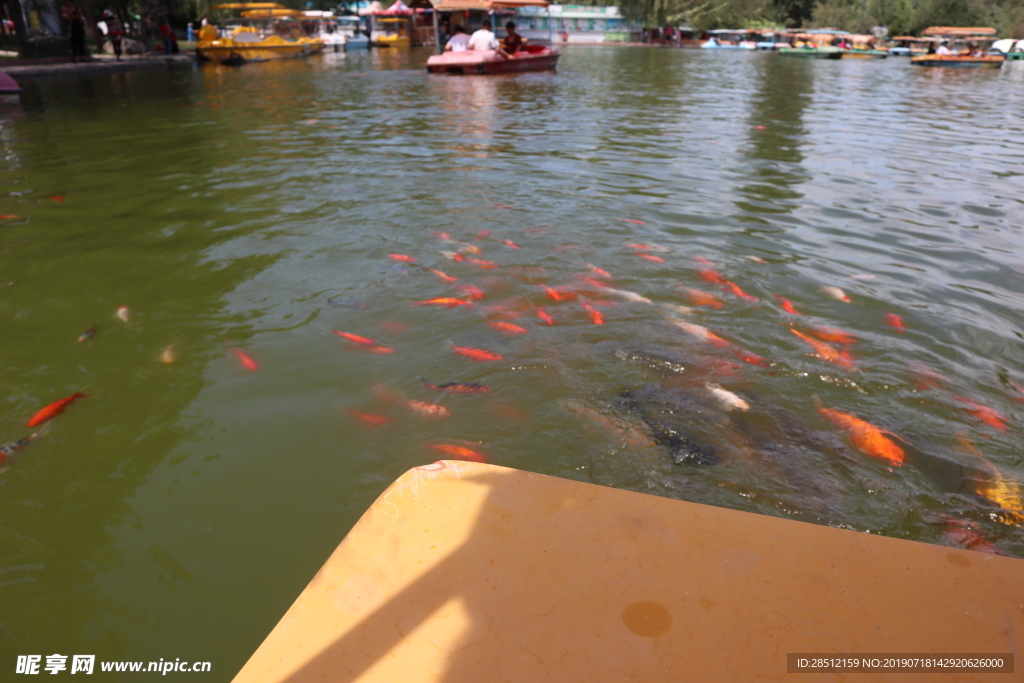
(179,509)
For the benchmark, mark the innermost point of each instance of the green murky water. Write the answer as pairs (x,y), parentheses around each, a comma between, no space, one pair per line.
(177,511)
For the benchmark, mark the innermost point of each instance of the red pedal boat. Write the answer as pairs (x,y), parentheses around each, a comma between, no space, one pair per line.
(532,58)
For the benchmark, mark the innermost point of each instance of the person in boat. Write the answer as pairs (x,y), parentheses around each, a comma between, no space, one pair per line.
(513,41)
(972,50)
(942,50)
(484,39)
(458,41)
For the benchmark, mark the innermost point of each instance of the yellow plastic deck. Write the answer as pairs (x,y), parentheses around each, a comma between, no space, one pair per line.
(470,573)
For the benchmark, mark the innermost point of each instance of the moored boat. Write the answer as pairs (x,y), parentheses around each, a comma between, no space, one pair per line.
(8,86)
(265,31)
(960,61)
(826,52)
(964,46)
(1012,49)
(532,58)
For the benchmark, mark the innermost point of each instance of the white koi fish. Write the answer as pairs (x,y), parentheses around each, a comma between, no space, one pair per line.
(727,399)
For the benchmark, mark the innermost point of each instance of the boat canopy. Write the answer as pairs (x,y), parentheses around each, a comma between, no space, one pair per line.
(486,5)
(270,13)
(959,31)
(249,5)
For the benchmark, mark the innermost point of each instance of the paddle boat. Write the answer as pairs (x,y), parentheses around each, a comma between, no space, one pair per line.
(1012,49)
(909,46)
(322,24)
(465,572)
(263,32)
(352,29)
(960,61)
(728,39)
(530,58)
(8,86)
(862,46)
(811,52)
(959,40)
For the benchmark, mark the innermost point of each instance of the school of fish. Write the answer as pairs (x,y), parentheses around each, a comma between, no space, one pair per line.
(468,287)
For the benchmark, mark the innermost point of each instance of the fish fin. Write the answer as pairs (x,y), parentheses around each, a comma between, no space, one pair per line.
(817,401)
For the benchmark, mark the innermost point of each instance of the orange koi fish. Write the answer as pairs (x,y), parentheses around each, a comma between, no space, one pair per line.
(401,257)
(355,338)
(457,387)
(443,236)
(168,356)
(544,316)
(510,243)
(895,322)
(508,327)
(553,294)
(471,249)
(483,264)
(478,355)
(735,289)
(458,257)
(122,313)
(831,334)
(787,305)
(592,282)
(865,436)
(381,349)
(369,419)
(393,327)
(57,198)
(699,298)
(458,452)
(752,358)
(247,362)
(712,276)
(703,261)
(962,533)
(595,315)
(445,277)
(472,293)
(642,247)
(54,409)
(924,377)
(88,334)
(7,216)
(600,272)
(431,411)
(483,234)
(701,333)
(652,258)
(827,351)
(992,418)
(633,221)
(445,301)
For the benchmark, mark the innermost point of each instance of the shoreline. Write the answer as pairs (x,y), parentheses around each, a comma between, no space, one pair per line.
(97,63)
